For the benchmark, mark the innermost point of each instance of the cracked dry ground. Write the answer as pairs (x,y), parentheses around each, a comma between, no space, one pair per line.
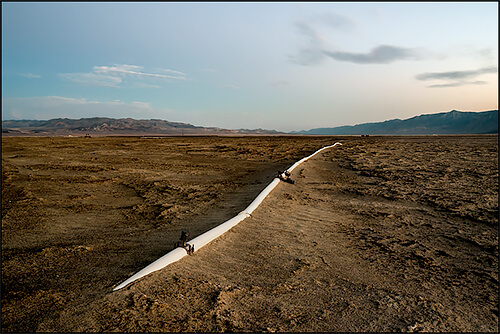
(379,234)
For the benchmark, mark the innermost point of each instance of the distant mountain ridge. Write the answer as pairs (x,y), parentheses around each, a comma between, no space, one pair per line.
(445,123)
(452,122)
(112,126)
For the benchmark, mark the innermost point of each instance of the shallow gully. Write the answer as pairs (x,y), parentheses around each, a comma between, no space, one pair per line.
(203,239)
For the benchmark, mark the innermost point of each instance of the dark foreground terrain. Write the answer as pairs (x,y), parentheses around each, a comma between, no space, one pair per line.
(379,234)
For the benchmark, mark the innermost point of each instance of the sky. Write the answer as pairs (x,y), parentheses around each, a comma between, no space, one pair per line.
(272,65)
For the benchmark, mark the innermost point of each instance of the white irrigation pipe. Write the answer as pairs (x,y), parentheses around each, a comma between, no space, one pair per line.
(203,239)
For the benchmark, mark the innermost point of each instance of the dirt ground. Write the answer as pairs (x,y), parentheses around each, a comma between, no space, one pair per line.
(379,234)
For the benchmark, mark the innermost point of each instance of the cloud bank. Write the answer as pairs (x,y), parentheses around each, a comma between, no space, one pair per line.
(311,53)
(456,78)
(457,84)
(383,54)
(316,47)
(456,75)
(336,21)
(119,75)
(48,107)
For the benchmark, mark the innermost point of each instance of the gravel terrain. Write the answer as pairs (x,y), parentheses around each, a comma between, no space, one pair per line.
(379,234)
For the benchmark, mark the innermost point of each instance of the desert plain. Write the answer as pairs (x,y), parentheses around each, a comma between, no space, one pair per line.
(383,233)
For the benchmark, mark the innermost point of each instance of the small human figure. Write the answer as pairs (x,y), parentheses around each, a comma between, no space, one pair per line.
(184,237)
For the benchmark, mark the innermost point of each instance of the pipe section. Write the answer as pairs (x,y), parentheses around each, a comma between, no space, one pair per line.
(171,257)
(203,239)
(263,194)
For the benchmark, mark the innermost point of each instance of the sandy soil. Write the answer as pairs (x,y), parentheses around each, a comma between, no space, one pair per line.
(380,234)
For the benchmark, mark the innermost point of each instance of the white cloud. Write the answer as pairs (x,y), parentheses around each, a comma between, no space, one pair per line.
(132,70)
(92,79)
(167,70)
(119,75)
(30,75)
(47,107)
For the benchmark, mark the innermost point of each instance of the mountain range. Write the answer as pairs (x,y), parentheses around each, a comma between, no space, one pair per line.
(104,126)
(445,123)
(452,122)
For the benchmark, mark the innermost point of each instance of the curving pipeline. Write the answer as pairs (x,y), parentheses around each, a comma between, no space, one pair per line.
(203,239)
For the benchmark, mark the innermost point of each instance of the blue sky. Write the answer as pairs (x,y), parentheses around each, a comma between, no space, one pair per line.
(283,66)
